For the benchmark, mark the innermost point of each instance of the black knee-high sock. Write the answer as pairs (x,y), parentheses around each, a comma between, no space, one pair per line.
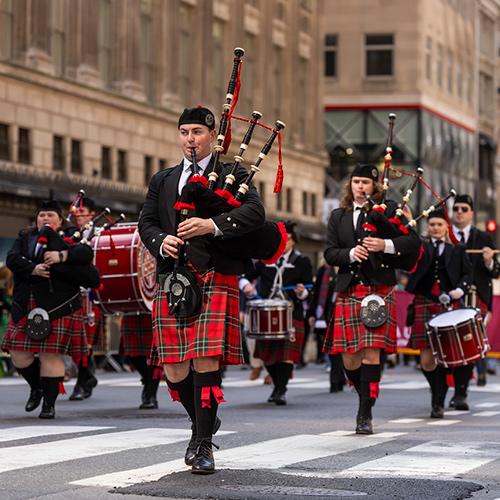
(431,379)
(336,374)
(272,371)
(50,386)
(462,375)
(441,385)
(369,383)
(283,373)
(151,384)
(207,396)
(141,365)
(31,374)
(354,376)
(183,392)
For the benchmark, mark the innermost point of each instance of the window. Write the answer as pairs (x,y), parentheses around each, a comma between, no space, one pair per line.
(185,53)
(4,142)
(279,201)
(148,169)
(247,85)
(379,55)
(289,200)
(162,164)
(439,65)
(262,191)
(219,76)
(459,80)
(428,59)
(280,9)
(122,166)
(76,156)
(58,156)
(104,43)
(57,36)
(331,55)
(302,99)
(23,147)
(6,24)
(486,36)
(277,81)
(148,67)
(450,72)
(305,203)
(106,164)
(313,204)
(486,96)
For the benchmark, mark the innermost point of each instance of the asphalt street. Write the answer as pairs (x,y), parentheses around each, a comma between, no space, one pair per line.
(105,447)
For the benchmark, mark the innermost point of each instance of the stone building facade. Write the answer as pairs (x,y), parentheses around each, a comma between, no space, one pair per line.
(90,93)
(433,63)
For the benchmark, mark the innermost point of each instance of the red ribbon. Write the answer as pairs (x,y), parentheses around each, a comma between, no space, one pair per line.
(206,395)
(157,373)
(369,227)
(179,205)
(421,252)
(223,193)
(199,178)
(450,381)
(435,290)
(43,240)
(282,245)
(374,389)
(379,208)
(62,390)
(174,395)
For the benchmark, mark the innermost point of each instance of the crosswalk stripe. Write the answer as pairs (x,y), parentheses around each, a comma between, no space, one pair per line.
(31,431)
(406,420)
(486,414)
(19,457)
(455,413)
(442,423)
(271,454)
(432,459)
(487,405)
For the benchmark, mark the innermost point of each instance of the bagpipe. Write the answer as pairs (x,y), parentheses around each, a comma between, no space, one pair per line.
(266,242)
(389,220)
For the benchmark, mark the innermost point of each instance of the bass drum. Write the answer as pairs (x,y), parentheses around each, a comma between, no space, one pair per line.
(128,271)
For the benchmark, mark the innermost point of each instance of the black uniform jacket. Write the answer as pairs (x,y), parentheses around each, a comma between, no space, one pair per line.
(66,278)
(159,219)
(380,268)
(481,275)
(314,294)
(457,268)
(301,273)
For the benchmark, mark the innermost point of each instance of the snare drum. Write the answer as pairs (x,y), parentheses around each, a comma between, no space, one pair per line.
(269,319)
(128,271)
(457,337)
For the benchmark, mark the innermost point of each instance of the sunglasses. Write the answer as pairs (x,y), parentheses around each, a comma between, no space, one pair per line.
(461,209)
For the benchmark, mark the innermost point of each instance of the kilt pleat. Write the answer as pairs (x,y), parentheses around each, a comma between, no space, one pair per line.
(214,332)
(425,309)
(347,333)
(136,335)
(274,351)
(96,333)
(67,336)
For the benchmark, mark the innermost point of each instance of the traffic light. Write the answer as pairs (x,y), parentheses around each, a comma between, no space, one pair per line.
(491,226)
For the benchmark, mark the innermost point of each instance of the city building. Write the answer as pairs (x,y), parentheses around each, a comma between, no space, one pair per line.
(90,93)
(432,62)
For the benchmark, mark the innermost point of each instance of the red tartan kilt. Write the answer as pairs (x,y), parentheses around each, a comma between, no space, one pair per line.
(67,336)
(347,333)
(482,306)
(96,332)
(136,335)
(214,332)
(274,351)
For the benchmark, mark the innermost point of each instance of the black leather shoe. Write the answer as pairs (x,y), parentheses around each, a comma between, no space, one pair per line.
(270,399)
(149,403)
(34,400)
(88,385)
(461,403)
(481,380)
(280,398)
(48,411)
(437,411)
(193,445)
(364,425)
(204,462)
(77,394)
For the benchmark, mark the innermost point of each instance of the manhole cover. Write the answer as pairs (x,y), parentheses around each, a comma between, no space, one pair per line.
(293,490)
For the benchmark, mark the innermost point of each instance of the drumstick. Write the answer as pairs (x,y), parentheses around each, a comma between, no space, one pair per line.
(480,251)
(293,287)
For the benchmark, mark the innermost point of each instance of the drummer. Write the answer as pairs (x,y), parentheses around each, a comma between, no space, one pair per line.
(484,266)
(444,271)
(295,269)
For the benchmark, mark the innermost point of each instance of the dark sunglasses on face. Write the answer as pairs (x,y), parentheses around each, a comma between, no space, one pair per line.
(463,209)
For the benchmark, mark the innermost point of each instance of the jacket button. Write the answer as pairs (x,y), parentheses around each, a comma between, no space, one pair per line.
(229,219)
(234,225)
(153,240)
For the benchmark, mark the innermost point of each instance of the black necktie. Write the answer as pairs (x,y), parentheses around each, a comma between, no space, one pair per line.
(462,237)
(437,244)
(359,222)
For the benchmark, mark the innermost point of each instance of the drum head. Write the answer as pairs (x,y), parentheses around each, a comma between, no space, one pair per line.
(268,304)
(452,318)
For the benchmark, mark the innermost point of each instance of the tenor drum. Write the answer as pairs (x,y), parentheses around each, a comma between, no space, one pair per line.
(269,319)
(457,337)
(128,271)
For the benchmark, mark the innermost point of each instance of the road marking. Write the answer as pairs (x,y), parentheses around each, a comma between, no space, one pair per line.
(455,413)
(487,405)
(486,414)
(439,423)
(33,455)
(31,431)
(434,459)
(406,420)
(409,385)
(271,454)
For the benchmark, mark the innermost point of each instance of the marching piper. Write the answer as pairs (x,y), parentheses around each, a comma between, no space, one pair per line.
(46,316)
(193,345)
(443,269)
(295,271)
(366,271)
(485,266)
